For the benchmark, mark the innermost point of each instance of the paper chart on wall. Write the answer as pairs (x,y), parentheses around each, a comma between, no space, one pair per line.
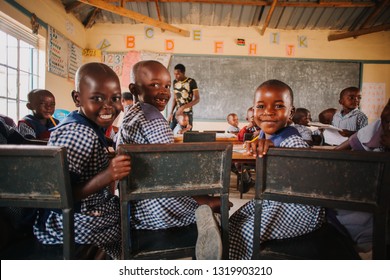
(58,53)
(373,100)
(122,63)
(163,58)
(75,59)
(129,60)
(114,60)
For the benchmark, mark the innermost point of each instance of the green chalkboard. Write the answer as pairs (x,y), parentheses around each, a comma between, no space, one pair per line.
(227,84)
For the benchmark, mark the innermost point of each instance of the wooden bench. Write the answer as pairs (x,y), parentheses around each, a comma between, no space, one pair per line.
(37,177)
(358,181)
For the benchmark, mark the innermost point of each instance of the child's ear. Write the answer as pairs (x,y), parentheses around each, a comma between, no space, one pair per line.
(292,112)
(28,105)
(76,98)
(135,91)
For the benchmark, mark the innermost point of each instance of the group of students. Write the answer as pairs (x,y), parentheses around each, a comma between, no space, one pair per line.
(349,119)
(93,174)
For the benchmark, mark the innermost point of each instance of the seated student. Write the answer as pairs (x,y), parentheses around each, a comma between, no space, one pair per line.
(301,120)
(9,133)
(326,116)
(144,124)
(251,127)
(97,213)
(273,107)
(232,120)
(37,126)
(112,130)
(374,137)
(183,124)
(350,119)
(127,101)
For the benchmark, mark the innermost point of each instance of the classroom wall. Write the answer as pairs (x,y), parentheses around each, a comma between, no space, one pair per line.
(308,44)
(51,12)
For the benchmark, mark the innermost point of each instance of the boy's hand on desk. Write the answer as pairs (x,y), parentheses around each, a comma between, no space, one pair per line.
(258,147)
(119,167)
(346,133)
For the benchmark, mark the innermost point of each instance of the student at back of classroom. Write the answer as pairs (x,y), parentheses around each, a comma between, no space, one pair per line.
(251,127)
(232,120)
(183,124)
(42,103)
(350,119)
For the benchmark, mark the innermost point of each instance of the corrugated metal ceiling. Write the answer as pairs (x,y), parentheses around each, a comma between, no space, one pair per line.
(287,15)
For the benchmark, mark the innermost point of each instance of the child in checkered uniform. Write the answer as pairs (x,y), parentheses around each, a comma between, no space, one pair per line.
(273,108)
(97,219)
(143,123)
(350,119)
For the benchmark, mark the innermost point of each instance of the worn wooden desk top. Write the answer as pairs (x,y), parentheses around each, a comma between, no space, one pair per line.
(179,139)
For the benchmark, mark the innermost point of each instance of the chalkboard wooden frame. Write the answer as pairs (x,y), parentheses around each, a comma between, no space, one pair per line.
(227,83)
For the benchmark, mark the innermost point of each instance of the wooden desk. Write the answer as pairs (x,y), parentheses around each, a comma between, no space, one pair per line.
(240,155)
(241,159)
(179,139)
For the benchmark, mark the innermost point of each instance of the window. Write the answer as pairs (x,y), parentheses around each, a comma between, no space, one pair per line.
(19,67)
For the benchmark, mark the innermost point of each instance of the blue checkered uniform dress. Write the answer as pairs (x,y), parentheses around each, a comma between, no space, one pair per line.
(142,127)
(98,219)
(352,121)
(278,220)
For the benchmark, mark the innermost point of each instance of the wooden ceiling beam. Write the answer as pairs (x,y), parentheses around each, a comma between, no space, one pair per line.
(159,13)
(375,13)
(325,4)
(356,33)
(268,18)
(72,6)
(89,22)
(136,16)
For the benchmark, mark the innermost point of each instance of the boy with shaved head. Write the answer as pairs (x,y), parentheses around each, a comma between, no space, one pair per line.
(97,218)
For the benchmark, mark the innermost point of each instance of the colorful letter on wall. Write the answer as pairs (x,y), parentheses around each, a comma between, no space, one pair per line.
(274,38)
(169,45)
(197,35)
(149,32)
(104,44)
(252,49)
(218,47)
(302,41)
(290,50)
(130,42)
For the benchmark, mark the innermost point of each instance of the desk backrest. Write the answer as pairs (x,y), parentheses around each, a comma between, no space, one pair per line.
(166,170)
(38,177)
(34,176)
(335,179)
(360,179)
(199,136)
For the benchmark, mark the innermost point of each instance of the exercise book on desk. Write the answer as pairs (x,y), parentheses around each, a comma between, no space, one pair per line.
(331,133)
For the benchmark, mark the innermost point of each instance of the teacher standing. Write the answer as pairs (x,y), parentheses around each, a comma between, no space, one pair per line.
(185,95)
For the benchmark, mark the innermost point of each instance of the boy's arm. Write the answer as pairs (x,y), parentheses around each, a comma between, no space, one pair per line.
(173,106)
(118,168)
(343,146)
(195,100)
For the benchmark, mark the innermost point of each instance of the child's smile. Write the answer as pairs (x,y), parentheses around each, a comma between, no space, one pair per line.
(272,109)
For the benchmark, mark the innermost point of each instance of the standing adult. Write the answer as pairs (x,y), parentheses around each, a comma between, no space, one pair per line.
(185,96)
